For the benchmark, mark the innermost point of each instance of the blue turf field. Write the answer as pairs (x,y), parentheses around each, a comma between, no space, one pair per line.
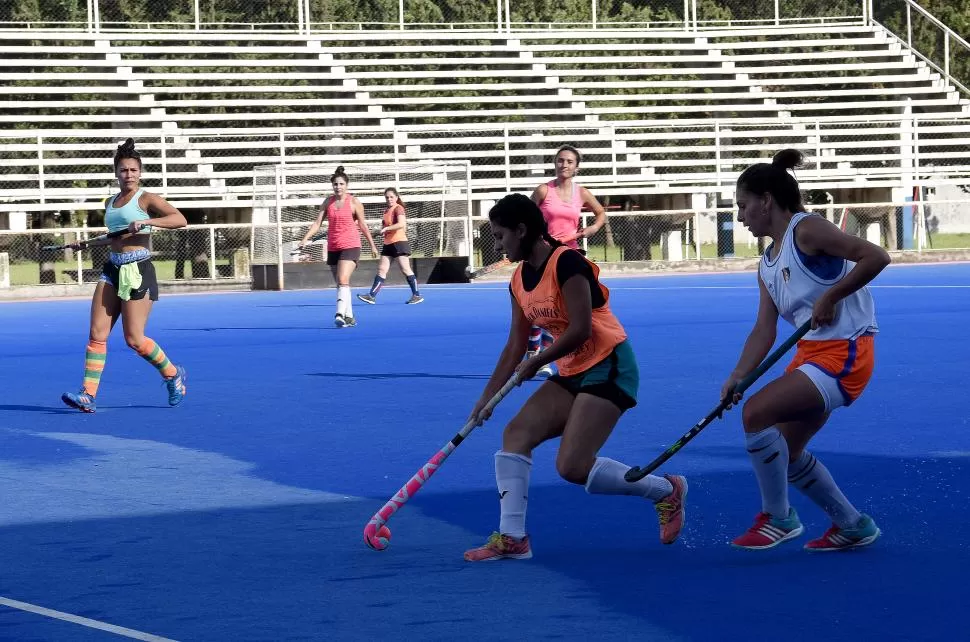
(238,515)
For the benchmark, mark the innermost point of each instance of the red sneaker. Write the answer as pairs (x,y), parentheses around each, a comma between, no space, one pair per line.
(500,547)
(670,510)
(769,531)
(840,539)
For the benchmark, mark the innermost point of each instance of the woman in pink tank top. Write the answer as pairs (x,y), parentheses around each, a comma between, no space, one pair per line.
(561,201)
(345,224)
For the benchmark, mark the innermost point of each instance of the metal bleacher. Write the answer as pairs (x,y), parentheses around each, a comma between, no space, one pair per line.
(655,112)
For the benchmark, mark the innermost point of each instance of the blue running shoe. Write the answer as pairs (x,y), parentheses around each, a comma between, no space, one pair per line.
(80,400)
(176,387)
(865,532)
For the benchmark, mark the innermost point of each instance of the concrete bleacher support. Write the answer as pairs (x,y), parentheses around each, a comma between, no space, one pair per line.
(4,270)
(316,274)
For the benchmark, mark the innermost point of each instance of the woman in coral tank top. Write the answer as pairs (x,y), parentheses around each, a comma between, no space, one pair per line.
(561,201)
(394,227)
(345,224)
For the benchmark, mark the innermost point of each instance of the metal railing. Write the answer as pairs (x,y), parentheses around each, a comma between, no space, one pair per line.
(309,16)
(71,172)
(934,42)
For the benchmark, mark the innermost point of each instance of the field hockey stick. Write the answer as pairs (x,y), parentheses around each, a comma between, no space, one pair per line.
(376,534)
(306,247)
(637,473)
(84,244)
(487,269)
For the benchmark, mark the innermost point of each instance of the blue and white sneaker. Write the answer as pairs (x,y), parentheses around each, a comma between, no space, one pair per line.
(80,400)
(865,532)
(176,387)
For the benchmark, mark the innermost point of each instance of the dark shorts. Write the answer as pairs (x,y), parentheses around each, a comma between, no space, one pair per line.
(616,378)
(149,282)
(394,250)
(349,254)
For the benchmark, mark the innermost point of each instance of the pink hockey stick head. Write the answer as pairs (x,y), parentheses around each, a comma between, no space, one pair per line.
(377,538)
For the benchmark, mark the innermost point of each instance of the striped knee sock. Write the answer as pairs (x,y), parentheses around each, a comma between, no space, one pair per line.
(94,358)
(535,338)
(768,451)
(153,353)
(546,339)
(378,284)
(413,282)
(813,479)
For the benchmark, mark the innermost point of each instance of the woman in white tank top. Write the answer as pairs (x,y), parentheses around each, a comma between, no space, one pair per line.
(811,271)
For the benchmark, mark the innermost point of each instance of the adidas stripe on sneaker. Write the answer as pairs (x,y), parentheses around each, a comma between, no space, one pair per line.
(768,531)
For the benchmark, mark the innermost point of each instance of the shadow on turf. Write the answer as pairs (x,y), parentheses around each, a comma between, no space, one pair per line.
(704,589)
(299,305)
(22,448)
(251,328)
(51,410)
(396,375)
(302,572)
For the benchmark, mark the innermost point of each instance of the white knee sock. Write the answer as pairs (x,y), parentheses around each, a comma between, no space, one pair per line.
(349,301)
(343,300)
(813,479)
(606,478)
(512,479)
(769,456)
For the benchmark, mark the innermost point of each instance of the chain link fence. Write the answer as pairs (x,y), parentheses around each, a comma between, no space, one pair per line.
(637,229)
(197,252)
(704,234)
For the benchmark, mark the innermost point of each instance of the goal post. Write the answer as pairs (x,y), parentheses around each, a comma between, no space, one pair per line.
(437,197)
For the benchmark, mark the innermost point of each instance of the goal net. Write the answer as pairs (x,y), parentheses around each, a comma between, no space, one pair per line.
(287,199)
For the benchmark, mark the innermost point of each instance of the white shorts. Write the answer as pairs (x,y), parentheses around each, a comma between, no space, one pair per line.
(828,386)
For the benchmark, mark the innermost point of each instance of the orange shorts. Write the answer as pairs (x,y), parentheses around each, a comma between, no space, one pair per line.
(847,363)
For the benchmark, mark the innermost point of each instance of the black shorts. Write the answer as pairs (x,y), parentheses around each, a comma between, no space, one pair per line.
(149,282)
(394,250)
(349,254)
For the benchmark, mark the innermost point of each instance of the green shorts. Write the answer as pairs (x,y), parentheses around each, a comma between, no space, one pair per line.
(616,378)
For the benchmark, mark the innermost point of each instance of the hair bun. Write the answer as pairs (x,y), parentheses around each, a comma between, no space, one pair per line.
(340,169)
(788,159)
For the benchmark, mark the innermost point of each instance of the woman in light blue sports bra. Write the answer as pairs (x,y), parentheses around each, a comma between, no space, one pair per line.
(128,285)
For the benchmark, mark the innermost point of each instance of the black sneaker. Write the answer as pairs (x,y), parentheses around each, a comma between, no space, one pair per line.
(416,298)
